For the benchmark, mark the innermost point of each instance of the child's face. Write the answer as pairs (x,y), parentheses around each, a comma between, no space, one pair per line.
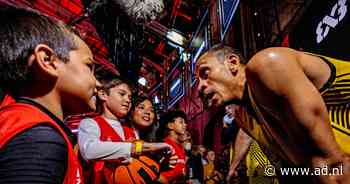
(211,156)
(143,115)
(179,126)
(76,80)
(119,100)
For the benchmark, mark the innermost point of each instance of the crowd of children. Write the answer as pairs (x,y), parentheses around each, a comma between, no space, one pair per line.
(47,74)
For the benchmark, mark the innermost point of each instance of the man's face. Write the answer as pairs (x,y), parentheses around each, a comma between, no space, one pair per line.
(216,81)
(76,80)
(119,100)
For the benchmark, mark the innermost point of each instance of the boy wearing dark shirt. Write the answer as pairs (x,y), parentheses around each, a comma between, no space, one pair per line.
(49,71)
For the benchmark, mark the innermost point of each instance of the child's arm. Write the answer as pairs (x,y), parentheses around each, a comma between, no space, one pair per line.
(91,147)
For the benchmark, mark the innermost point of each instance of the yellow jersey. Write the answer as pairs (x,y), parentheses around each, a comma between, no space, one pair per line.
(257,161)
(336,94)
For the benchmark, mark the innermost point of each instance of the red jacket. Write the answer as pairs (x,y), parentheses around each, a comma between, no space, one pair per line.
(179,170)
(108,134)
(18,117)
(7,100)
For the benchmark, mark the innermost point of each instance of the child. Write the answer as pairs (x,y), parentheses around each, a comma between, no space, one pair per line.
(104,138)
(143,119)
(172,128)
(49,71)
(211,175)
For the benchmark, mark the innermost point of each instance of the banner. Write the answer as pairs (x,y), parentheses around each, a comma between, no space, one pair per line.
(324,29)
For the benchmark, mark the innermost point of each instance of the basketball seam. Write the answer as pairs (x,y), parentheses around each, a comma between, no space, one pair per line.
(149,167)
(132,179)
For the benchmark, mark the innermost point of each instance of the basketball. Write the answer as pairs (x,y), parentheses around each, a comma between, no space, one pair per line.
(141,170)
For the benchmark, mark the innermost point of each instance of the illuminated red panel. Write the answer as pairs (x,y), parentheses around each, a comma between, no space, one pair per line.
(68,10)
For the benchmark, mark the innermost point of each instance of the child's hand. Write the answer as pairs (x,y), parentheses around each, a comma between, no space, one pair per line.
(169,162)
(164,147)
(173,161)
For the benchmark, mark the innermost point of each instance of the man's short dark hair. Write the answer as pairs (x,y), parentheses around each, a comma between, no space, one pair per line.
(221,51)
(21,31)
(169,117)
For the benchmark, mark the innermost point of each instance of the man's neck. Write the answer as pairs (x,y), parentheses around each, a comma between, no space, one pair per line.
(242,85)
(239,89)
(243,97)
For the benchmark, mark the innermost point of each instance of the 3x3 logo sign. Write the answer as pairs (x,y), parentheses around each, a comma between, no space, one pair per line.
(337,14)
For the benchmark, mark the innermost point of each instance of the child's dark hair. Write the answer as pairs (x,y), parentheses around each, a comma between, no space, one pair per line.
(149,134)
(21,31)
(139,99)
(169,117)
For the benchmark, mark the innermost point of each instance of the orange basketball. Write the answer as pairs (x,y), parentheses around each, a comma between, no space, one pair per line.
(141,170)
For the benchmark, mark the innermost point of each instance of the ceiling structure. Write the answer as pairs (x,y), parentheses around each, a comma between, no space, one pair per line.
(119,44)
(70,11)
(152,55)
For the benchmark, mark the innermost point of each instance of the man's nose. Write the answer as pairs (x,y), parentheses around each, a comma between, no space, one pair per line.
(202,84)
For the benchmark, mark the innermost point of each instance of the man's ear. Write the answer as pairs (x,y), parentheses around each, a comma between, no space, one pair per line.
(44,59)
(232,62)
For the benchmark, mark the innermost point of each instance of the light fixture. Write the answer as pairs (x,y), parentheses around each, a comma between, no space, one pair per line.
(142,81)
(156,99)
(201,48)
(175,85)
(176,37)
(185,56)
